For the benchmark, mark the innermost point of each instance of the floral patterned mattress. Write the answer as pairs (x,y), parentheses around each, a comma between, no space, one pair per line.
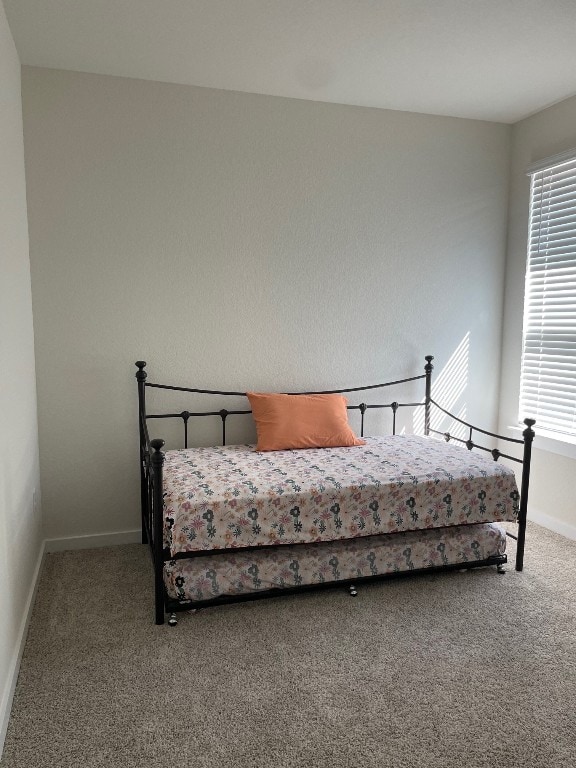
(240,572)
(233,496)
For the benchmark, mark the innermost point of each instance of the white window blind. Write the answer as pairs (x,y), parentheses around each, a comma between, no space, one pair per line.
(548,378)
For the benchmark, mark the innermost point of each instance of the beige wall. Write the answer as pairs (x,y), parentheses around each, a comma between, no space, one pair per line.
(242,241)
(552,498)
(19,474)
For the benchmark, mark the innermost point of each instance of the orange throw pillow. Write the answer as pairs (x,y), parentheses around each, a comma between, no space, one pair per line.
(301,421)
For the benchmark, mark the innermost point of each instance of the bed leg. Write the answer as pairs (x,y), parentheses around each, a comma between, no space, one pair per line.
(159,614)
(172,621)
(528,435)
(157,530)
(141,377)
(352,590)
(500,568)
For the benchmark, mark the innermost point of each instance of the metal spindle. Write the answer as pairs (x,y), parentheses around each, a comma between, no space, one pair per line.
(394,407)
(362,407)
(428,368)
(185,416)
(223,414)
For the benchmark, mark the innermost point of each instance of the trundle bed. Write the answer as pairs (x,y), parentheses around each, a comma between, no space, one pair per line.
(230,523)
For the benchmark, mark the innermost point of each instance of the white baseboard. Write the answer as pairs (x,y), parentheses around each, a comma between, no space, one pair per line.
(553,523)
(93,541)
(14,669)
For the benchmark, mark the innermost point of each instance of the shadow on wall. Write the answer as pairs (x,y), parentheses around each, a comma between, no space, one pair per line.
(449,388)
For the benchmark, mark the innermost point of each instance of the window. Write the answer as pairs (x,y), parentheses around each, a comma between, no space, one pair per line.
(548,377)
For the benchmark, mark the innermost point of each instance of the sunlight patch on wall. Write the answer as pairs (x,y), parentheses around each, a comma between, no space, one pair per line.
(449,388)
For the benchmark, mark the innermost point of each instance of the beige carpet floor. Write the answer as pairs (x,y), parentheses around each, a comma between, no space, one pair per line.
(467,670)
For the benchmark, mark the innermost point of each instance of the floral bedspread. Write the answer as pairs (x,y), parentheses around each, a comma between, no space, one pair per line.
(232,496)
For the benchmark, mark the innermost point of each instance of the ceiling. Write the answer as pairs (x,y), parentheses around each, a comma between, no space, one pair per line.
(487,59)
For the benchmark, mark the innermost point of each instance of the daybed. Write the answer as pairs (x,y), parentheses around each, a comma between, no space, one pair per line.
(231,523)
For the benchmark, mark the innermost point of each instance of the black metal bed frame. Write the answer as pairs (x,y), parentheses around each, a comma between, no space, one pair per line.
(151,460)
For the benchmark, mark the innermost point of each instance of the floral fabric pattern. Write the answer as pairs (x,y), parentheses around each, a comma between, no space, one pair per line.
(233,497)
(238,572)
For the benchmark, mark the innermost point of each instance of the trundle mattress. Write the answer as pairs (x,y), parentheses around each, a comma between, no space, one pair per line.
(241,572)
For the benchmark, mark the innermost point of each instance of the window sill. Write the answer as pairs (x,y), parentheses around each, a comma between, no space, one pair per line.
(549,441)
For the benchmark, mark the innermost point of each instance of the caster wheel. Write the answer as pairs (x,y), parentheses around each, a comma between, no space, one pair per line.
(172,621)
(352,590)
